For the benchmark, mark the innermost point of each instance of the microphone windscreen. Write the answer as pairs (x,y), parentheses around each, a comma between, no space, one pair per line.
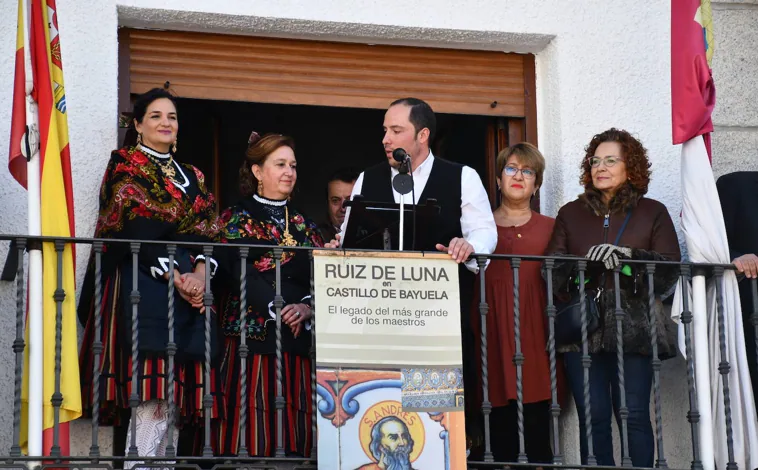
(399,155)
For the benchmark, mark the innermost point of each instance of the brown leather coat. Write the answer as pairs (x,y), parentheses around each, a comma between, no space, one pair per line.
(650,234)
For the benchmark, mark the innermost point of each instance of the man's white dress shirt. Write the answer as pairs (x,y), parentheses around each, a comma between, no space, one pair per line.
(477,222)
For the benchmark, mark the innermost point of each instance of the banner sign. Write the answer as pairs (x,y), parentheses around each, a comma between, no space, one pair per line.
(388,361)
(399,310)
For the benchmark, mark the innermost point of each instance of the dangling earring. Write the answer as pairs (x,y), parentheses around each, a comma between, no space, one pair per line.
(173,147)
(260,188)
(139,138)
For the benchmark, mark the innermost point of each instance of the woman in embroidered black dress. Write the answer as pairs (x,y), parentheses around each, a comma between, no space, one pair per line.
(146,194)
(265,217)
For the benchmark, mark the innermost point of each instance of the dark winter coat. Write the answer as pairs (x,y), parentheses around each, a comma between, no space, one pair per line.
(651,235)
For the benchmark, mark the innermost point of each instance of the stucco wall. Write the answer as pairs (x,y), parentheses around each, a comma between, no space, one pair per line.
(735,70)
(600,63)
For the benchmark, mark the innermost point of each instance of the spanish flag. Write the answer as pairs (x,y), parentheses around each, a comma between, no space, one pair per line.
(56,208)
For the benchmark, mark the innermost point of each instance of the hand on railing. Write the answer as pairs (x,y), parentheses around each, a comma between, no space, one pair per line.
(608,254)
(294,315)
(458,248)
(334,244)
(747,265)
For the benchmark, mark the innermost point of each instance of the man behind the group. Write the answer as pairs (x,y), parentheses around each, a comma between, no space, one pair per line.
(338,190)
(465,224)
(738,193)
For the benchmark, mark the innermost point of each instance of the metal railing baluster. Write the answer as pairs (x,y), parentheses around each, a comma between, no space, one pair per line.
(486,404)
(626,460)
(724,368)
(19,344)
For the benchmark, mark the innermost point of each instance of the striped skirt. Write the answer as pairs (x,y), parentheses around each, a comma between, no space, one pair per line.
(261,427)
(115,367)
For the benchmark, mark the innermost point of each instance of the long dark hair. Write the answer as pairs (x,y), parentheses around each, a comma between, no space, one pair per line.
(138,113)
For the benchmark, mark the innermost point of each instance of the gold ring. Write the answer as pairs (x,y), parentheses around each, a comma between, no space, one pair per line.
(194,289)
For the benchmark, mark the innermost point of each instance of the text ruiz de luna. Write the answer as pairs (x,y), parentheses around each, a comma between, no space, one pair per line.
(387,274)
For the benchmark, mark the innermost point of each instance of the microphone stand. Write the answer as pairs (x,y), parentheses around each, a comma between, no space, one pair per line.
(403,184)
(413,199)
(401,232)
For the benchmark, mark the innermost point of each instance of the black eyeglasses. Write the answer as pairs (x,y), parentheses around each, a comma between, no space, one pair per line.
(527,173)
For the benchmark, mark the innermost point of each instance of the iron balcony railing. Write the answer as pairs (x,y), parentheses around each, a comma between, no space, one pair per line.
(14,458)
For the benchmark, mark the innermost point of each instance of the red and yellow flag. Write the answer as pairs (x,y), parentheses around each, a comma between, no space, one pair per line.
(56,207)
(16,160)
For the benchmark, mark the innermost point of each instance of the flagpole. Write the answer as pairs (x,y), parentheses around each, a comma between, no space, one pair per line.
(703,371)
(31,148)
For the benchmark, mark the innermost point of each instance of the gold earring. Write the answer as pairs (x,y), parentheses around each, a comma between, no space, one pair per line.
(173,147)
(139,138)
(260,188)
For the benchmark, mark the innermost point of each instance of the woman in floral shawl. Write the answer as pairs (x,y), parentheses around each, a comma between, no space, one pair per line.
(264,217)
(146,194)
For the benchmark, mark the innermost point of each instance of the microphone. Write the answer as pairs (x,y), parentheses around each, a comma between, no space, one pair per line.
(402,182)
(400,155)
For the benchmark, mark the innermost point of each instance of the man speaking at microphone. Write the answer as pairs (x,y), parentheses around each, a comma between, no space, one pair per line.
(465,224)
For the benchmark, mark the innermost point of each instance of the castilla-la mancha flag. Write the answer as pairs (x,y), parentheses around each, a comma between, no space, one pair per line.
(693,98)
(56,207)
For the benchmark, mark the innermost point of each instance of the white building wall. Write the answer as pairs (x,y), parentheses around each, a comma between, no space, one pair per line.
(600,63)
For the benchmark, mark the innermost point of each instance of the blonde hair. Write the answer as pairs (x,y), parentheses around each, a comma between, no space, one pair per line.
(527,155)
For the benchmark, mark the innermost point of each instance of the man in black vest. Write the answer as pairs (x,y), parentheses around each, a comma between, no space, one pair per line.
(465,224)
(738,193)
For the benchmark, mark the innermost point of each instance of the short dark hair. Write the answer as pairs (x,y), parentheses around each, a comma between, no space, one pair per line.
(144,100)
(346,175)
(140,109)
(421,115)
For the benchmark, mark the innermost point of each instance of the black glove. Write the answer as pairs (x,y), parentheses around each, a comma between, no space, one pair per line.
(608,254)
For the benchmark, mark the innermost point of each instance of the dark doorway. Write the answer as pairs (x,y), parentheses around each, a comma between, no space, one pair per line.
(213,136)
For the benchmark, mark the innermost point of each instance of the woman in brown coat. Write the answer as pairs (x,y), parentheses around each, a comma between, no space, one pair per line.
(616,175)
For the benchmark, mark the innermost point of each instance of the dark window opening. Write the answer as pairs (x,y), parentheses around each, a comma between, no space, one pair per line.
(213,136)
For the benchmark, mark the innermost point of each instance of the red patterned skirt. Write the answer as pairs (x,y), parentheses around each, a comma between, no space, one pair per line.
(115,368)
(261,428)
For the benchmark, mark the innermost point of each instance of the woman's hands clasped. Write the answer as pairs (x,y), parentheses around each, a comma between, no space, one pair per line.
(294,315)
(191,287)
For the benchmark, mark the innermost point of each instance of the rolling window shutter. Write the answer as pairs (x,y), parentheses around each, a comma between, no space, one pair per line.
(288,71)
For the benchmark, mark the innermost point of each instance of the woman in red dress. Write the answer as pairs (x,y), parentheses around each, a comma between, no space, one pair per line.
(521,231)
